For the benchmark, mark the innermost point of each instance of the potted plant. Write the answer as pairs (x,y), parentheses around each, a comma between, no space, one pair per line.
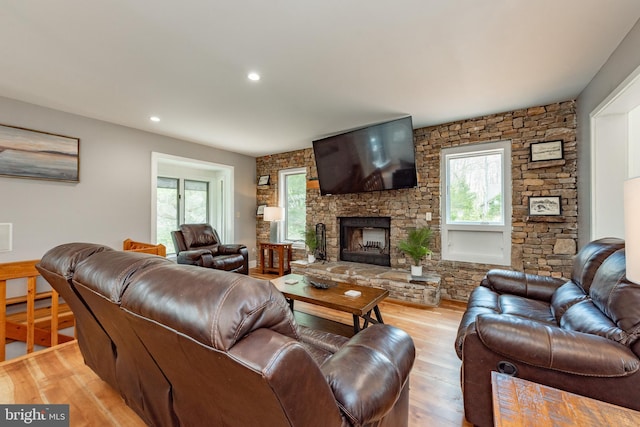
(416,245)
(311,240)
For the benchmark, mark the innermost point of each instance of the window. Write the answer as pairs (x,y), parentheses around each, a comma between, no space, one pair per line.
(196,202)
(293,198)
(173,210)
(477,203)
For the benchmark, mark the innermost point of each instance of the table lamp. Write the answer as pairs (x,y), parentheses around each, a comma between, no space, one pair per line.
(632,228)
(274,215)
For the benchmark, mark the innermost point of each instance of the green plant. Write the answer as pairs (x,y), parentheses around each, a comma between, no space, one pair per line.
(311,239)
(416,245)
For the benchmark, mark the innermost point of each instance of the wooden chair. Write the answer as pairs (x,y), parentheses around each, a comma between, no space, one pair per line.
(147,248)
(33,325)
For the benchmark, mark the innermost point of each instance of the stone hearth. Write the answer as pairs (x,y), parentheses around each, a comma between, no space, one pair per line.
(423,290)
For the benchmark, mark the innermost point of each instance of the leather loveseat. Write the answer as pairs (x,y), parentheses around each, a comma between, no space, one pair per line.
(200,244)
(196,346)
(580,335)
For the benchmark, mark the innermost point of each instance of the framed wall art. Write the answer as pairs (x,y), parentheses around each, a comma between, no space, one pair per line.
(551,150)
(545,206)
(26,153)
(260,210)
(263,180)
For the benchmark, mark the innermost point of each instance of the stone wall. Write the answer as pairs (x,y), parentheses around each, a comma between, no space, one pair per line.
(540,245)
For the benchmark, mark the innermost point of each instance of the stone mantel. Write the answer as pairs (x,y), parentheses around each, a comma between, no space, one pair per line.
(423,290)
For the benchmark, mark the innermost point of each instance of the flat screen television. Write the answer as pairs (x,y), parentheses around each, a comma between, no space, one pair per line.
(373,158)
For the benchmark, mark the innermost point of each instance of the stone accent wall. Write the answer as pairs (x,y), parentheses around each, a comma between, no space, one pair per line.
(540,245)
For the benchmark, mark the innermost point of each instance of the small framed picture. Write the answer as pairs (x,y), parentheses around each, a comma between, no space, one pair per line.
(260,210)
(545,206)
(263,180)
(551,150)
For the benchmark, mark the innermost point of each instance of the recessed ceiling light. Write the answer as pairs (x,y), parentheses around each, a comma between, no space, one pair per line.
(154,119)
(254,76)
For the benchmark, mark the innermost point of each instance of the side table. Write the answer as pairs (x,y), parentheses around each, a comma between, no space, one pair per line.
(284,252)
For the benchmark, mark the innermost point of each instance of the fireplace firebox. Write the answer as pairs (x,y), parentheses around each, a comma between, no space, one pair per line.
(365,240)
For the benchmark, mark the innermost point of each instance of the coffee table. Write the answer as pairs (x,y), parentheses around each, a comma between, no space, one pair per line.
(333,297)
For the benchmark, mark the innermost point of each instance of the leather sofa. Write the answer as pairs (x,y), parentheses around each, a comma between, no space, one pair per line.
(580,335)
(199,244)
(197,346)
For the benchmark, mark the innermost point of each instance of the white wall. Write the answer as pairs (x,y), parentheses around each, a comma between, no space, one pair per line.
(609,172)
(634,142)
(112,201)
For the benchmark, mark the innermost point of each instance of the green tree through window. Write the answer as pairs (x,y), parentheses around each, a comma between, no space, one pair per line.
(295,209)
(475,188)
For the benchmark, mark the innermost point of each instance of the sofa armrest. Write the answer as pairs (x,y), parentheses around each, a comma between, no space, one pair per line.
(551,347)
(323,340)
(369,372)
(231,249)
(522,284)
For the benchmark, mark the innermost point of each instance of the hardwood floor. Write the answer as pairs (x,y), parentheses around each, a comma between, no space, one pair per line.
(435,398)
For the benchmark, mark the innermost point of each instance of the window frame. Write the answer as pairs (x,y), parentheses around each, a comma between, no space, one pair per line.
(282,202)
(488,243)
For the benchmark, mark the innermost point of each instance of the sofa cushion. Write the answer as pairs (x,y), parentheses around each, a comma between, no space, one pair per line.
(566,296)
(586,317)
(223,309)
(539,311)
(108,273)
(198,235)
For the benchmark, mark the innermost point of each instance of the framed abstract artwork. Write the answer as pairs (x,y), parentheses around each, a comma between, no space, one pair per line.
(26,153)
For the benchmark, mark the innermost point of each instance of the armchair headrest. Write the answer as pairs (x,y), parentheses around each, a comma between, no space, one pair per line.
(199,235)
(590,258)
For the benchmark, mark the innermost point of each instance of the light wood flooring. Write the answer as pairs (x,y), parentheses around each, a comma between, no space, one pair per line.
(435,397)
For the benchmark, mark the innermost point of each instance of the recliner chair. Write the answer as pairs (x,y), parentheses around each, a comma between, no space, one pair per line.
(580,334)
(199,244)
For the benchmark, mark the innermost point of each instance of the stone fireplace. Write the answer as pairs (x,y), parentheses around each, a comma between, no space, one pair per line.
(365,240)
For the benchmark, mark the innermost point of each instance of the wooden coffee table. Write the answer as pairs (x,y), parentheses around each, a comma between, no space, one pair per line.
(360,307)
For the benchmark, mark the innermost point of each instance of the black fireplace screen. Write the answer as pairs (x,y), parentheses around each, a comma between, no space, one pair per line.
(365,240)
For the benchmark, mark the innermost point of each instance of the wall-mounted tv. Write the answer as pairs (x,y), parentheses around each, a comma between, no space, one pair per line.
(376,157)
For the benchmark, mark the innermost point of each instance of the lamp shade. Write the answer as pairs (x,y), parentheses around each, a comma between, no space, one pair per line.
(273,213)
(632,228)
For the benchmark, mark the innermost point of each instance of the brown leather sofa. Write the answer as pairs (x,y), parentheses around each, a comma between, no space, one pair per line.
(199,244)
(197,346)
(580,335)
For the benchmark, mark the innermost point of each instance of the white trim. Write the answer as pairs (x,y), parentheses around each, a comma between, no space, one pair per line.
(282,202)
(617,93)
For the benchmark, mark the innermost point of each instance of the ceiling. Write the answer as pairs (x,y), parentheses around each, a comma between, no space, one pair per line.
(326,66)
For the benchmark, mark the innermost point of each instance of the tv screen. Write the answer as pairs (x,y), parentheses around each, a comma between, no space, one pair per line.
(373,158)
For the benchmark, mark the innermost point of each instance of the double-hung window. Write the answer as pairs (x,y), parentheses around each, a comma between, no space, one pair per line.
(292,195)
(476,206)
